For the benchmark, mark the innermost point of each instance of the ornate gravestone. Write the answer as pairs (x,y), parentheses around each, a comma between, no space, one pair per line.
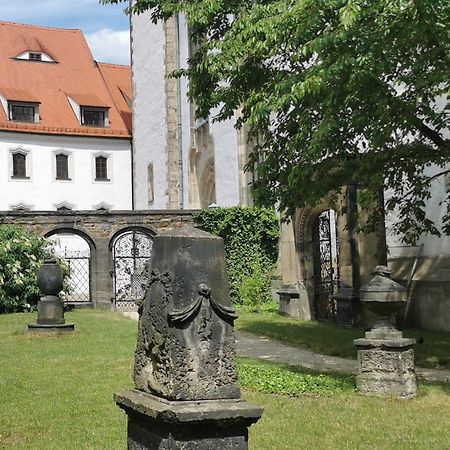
(385,357)
(187,393)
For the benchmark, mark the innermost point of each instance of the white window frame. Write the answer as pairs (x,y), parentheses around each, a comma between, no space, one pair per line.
(94,108)
(109,167)
(69,154)
(28,164)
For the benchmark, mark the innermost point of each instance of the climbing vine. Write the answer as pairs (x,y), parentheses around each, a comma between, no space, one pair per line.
(251,248)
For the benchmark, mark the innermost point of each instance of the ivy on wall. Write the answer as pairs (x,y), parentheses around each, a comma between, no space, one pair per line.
(251,248)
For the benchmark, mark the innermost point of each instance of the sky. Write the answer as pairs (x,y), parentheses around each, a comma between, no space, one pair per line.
(106,27)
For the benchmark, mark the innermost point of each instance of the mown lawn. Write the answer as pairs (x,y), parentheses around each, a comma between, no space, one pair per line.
(56,393)
(432,349)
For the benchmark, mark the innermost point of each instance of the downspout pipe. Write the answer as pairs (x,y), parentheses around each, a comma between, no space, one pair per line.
(179,115)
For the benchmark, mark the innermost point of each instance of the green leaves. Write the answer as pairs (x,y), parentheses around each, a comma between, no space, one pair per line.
(331,90)
(21,254)
(251,248)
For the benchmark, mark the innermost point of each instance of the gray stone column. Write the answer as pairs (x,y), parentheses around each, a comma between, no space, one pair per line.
(102,269)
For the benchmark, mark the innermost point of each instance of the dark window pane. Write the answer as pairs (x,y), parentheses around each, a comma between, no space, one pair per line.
(62,167)
(93,117)
(19,165)
(36,56)
(101,172)
(22,113)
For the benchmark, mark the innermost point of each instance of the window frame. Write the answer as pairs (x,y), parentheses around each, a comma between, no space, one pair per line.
(17,104)
(92,109)
(27,164)
(66,168)
(35,56)
(97,177)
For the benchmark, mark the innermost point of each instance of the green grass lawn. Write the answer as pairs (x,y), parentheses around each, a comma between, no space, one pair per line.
(329,339)
(56,393)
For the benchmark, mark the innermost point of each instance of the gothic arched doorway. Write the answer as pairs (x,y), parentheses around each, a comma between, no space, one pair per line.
(326,265)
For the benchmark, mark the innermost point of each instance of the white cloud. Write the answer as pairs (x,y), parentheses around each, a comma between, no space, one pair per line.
(110,46)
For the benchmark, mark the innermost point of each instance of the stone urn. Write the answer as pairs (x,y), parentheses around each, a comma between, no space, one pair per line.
(385,298)
(50,307)
(50,278)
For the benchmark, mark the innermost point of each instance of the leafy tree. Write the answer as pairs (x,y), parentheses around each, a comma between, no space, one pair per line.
(333,92)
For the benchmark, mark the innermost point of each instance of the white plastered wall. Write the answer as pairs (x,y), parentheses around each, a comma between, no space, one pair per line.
(149,111)
(43,192)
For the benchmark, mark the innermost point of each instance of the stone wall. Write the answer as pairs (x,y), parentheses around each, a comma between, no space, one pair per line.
(99,229)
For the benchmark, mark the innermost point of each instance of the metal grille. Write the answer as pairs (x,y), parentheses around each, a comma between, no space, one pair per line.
(131,252)
(326,267)
(79,276)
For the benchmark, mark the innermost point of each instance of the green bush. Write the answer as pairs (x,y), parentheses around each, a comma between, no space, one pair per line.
(21,254)
(251,248)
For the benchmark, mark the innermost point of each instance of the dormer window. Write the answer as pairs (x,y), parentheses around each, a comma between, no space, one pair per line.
(94,117)
(35,56)
(23,112)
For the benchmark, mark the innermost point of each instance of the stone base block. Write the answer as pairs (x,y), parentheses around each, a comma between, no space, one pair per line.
(50,310)
(386,367)
(51,328)
(158,424)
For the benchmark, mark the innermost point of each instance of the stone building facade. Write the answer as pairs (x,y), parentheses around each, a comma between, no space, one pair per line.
(179,161)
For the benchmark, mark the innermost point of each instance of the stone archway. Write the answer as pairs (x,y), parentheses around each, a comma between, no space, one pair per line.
(317,255)
(77,249)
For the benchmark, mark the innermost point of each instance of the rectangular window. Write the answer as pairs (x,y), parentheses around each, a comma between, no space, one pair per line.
(62,167)
(93,117)
(21,113)
(101,168)
(19,165)
(35,56)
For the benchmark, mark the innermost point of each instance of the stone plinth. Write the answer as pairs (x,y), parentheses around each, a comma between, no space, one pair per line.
(386,367)
(158,424)
(289,301)
(50,316)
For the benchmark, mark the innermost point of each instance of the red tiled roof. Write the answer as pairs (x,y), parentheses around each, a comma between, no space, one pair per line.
(74,73)
(19,95)
(118,80)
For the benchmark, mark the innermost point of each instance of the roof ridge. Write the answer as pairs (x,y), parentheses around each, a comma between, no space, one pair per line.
(125,66)
(4,22)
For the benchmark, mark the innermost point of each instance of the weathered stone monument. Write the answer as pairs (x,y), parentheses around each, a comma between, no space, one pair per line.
(50,307)
(186,392)
(385,357)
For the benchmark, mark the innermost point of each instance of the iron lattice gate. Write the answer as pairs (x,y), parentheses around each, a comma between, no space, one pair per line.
(326,266)
(79,279)
(131,251)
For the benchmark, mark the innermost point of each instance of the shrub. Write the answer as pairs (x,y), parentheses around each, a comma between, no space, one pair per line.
(251,248)
(21,254)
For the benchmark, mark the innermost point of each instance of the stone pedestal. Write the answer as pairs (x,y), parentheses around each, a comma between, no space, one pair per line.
(50,307)
(386,367)
(289,301)
(50,316)
(158,424)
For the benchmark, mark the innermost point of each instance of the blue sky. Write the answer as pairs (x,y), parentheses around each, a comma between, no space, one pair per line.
(106,27)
